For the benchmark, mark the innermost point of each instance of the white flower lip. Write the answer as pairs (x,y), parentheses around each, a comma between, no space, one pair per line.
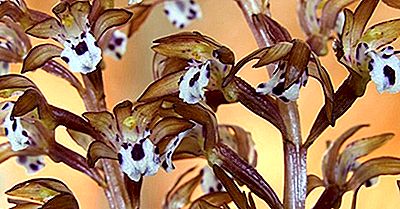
(16,134)
(170,149)
(117,45)
(209,182)
(139,159)
(82,53)
(4,68)
(182,12)
(32,163)
(193,82)
(384,69)
(275,86)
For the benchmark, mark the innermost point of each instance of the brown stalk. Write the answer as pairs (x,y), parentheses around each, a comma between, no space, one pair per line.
(295,157)
(116,192)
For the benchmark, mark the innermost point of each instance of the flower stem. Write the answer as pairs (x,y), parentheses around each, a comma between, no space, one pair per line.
(116,191)
(294,156)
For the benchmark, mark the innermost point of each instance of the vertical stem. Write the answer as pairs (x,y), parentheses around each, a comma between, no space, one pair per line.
(294,156)
(116,191)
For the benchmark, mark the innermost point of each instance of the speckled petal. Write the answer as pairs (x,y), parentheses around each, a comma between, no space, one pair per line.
(193,82)
(139,159)
(117,45)
(169,151)
(13,129)
(275,87)
(182,12)
(384,69)
(209,182)
(32,163)
(82,53)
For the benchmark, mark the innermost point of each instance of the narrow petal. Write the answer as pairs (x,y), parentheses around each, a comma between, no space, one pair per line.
(109,19)
(140,14)
(50,193)
(49,28)
(382,33)
(166,157)
(384,69)
(373,168)
(82,54)
(179,195)
(139,159)
(117,45)
(392,3)
(212,201)
(32,163)
(356,150)
(194,81)
(39,55)
(182,12)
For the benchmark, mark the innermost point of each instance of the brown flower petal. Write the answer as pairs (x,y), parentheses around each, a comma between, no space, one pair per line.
(392,3)
(320,73)
(191,145)
(240,141)
(163,65)
(356,150)
(140,14)
(332,154)
(265,56)
(186,45)
(275,31)
(104,123)
(39,55)
(81,139)
(169,127)
(382,33)
(99,150)
(164,86)
(179,197)
(262,105)
(10,84)
(313,182)
(11,10)
(98,7)
(52,193)
(49,28)
(351,89)
(330,13)
(110,18)
(373,168)
(232,163)
(296,62)
(203,116)
(361,17)
(233,190)
(212,200)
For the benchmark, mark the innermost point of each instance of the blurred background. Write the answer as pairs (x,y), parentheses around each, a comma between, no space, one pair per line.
(223,21)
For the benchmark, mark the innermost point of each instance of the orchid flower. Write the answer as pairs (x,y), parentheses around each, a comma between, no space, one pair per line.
(337,166)
(319,28)
(80,28)
(116,47)
(195,63)
(139,146)
(29,124)
(179,195)
(366,52)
